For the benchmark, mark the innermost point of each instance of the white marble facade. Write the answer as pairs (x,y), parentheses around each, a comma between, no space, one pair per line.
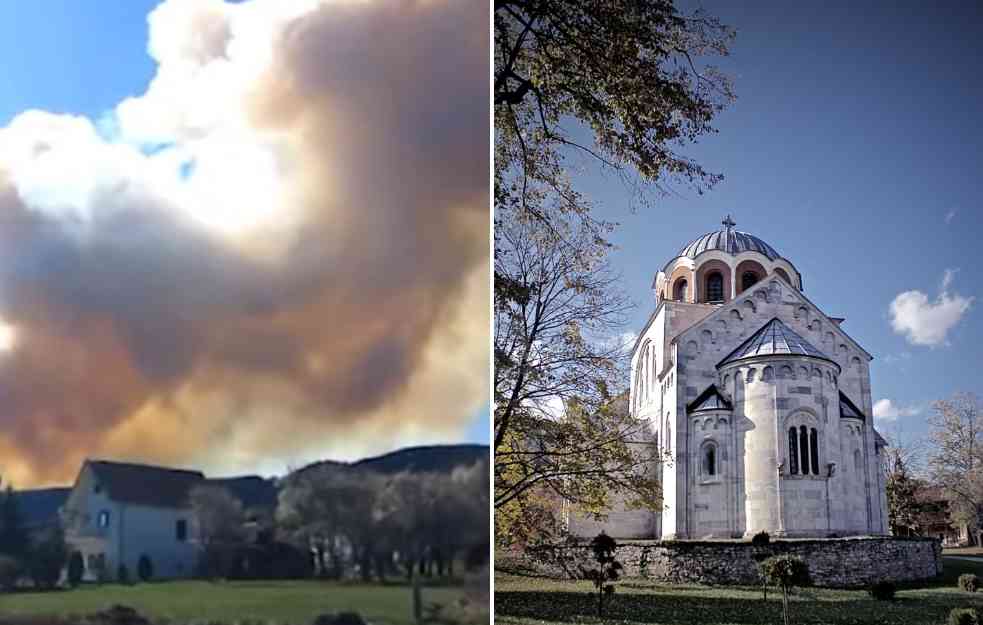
(761,401)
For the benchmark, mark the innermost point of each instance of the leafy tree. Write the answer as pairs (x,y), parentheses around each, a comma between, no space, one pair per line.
(220,525)
(902,501)
(76,568)
(123,574)
(956,457)
(10,571)
(786,572)
(607,569)
(145,568)
(623,86)
(49,553)
(626,74)
(14,539)
(553,346)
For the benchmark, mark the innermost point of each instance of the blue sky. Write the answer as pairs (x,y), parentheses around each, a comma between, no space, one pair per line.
(855,148)
(86,58)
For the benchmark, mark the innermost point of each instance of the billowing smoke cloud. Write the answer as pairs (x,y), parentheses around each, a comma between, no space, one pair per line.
(278,252)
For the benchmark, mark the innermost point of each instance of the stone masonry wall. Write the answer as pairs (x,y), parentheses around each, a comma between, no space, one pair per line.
(834,563)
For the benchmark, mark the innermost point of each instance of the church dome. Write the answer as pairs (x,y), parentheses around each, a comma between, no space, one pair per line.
(719,266)
(730,241)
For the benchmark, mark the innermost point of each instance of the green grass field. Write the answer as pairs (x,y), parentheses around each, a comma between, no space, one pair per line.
(527,600)
(295,602)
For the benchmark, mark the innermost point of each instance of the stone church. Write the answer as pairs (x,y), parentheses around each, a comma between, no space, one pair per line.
(759,401)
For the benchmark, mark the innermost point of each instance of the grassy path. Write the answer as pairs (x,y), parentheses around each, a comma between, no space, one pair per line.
(296,602)
(527,600)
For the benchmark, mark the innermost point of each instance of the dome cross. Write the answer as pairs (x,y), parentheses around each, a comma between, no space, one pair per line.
(728,222)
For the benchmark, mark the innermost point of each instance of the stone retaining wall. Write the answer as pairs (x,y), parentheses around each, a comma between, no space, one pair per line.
(834,562)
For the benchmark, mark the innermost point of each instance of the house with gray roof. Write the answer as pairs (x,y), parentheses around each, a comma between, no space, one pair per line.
(117,512)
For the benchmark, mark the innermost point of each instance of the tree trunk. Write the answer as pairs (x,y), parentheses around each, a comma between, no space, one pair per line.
(417,603)
(785,604)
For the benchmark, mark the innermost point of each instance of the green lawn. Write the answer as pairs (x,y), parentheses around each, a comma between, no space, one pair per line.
(296,602)
(527,600)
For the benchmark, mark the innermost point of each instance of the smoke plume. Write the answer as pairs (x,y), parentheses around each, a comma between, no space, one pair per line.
(279,251)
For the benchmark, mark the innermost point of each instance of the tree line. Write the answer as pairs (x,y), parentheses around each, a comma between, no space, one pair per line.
(330,521)
(347,522)
(938,481)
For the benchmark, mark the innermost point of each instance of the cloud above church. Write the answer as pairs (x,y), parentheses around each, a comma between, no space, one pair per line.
(277,252)
(923,321)
(885,410)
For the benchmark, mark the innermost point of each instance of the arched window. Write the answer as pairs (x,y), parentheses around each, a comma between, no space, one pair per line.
(793,452)
(679,290)
(857,464)
(668,435)
(803,450)
(709,465)
(715,287)
(748,279)
(814,451)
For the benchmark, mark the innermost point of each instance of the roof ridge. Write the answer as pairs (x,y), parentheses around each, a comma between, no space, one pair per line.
(143,465)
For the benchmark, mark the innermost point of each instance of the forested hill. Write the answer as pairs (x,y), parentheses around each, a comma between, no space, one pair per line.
(435,458)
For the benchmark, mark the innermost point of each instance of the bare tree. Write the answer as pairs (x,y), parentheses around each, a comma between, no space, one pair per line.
(219,521)
(559,426)
(956,457)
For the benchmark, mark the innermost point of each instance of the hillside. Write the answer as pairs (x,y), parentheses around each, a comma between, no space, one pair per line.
(438,458)
(40,506)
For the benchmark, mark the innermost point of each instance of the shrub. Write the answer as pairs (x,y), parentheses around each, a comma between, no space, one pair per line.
(607,569)
(761,539)
(882,591)
(145,568)
(964,616)
(969,582)
(10,570)
(76,568)
(48,555)
(341,618)
(786,572)
(123,574)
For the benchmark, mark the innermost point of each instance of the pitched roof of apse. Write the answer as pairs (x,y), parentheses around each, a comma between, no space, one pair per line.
(774,339)
(710,399)
(849,410)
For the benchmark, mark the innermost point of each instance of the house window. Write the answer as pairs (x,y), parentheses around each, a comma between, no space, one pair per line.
(709,460)
(715,287)
(181,530)
(748,279)
(803,450)
(103,519)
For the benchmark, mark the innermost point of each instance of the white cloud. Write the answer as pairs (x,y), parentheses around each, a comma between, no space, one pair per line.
(887,410)
(892,359)
(950,215)
(947,278)
(925,322)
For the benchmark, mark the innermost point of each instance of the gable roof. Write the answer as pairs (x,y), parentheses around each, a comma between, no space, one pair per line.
(720,310)
(252,490)
(849,410)
(145,484)
(710,399)
(774,339)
